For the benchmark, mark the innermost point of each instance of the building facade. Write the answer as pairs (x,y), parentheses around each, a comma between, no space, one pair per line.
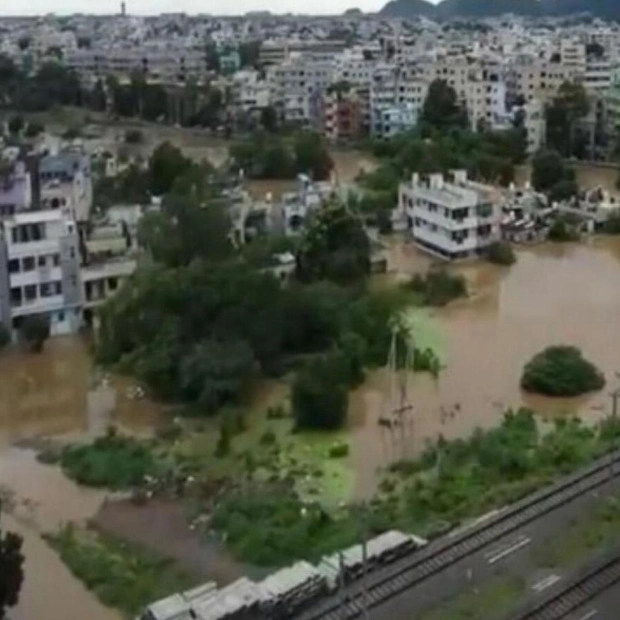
(452,218)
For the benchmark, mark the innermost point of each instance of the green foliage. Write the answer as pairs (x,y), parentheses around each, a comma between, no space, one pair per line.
(438,287)
(339,450)
(271,157)
(166,164)
(131,186)
(612,224)
(426,360)
(134,136)
(441,109)
(184,230)
(570,104)
(5,336)
(34,331)
(334,247)
(111,461)
(16,124)
(500,253)
(561,371)
(288,529)
(562,231)
(552,176)
(11,570)
(33,129)
(319,397)
(123,576)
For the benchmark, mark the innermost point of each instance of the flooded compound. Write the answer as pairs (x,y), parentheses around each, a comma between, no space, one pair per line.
(60,391)
(554,294)
(588,175)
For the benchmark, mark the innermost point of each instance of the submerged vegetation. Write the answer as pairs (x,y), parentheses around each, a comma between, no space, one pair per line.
(438,287)
(121,575)
(561,371)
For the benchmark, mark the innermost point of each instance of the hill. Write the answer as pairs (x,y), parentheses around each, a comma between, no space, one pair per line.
(606,9)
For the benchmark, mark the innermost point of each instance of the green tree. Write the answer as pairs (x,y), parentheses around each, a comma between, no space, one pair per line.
(319,397)
(551,175)
(16,124)
(561,371)
(312,156)
(214,372)
(34,331)
(500,253)
(166,164)
(11,570)
(33,129)
(334,247)
(184,230)
(269,119)
(441,108)
(249,52)
(569,106)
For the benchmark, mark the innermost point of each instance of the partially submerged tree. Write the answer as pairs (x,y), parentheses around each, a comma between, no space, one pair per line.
(34,331)
(11,570)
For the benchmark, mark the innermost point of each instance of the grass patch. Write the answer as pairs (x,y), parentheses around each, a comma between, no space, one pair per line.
(121,575)
(495,597)
(585,536)
(111,461)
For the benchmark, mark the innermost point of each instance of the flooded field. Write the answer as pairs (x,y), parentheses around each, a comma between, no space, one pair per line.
(588,176)
(554,294)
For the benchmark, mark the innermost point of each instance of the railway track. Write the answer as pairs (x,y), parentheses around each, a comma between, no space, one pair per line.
(584,587)
(413,569)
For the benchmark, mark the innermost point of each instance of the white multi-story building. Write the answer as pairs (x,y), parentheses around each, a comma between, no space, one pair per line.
(40,270)
(452,218)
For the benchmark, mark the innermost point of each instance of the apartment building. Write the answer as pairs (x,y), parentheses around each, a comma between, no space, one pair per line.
(277,51)
(40,269)
(452,218)
(341,118)
(397,97)
(166,63)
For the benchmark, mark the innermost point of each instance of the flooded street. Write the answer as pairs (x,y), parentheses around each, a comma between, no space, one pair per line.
(55,393)
(554,294)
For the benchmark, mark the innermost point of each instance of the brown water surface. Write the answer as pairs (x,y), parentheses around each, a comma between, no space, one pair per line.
(554,294)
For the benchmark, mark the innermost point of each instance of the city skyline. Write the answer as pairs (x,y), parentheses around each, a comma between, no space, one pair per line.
(215,7)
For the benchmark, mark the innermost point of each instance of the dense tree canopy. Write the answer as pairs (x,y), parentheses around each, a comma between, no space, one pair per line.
(561,371)
(562,114)
(441,108)
(334,247)
(551,175)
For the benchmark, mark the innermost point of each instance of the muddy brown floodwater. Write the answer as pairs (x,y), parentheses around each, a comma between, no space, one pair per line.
(55,393)
(554,294)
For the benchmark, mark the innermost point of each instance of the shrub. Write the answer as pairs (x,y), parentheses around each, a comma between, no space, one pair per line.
(319,397)
(562,231)
(112,461)
(426,360)
(134,136)
(438,287)
(34,331)
(33,129)
(501,253)
(268,438)
(339,450)
(561,371)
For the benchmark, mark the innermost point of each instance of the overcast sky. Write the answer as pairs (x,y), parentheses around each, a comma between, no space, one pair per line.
(221,7)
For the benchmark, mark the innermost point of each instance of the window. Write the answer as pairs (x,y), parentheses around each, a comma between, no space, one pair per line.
(16,296)
(41,261)
(112,284)
(60,317)
(28,263)
(46,290)
(30,292)
(56,260)
(57,288)
(14,265)
(72,252)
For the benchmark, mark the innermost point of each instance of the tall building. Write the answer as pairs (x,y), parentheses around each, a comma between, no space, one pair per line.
(40,269)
